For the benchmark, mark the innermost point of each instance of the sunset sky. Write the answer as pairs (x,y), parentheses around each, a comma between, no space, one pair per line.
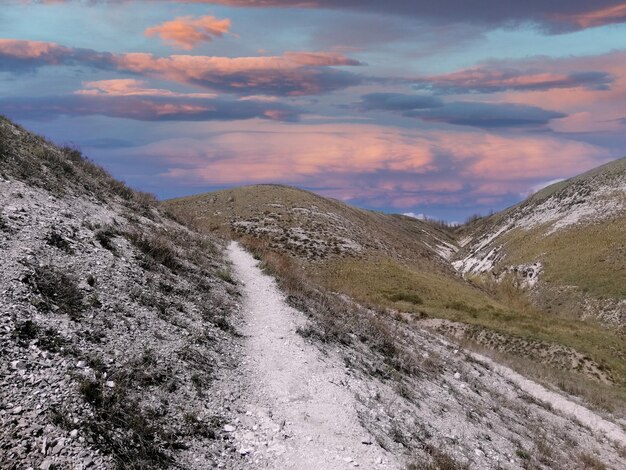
(443,108)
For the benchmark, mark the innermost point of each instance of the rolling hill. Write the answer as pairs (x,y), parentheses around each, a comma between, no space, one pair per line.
(540,283)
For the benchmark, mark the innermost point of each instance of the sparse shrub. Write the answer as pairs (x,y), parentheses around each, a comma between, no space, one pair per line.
(440,460)
(57,291)
(4,225)
(121,427)
(56,240)
(157,248)
(225,275)
(589,462)
(105,238)
(47,338)
(405,297)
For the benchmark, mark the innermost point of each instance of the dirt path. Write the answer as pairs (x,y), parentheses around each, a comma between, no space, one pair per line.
(299,411)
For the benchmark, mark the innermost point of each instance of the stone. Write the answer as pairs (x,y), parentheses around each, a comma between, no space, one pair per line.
(45,465)
(229,428)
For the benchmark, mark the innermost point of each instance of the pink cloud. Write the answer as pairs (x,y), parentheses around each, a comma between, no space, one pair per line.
(132,87)
(186,32)
(597,17)
(521,76)
(291,74)
(376,165)
(46,52)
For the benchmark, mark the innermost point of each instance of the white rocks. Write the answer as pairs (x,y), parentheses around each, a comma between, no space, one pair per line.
(109,384)
(229,428)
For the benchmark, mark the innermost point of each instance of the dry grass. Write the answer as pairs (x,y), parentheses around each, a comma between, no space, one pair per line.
(57,291)
(605,398)
(599,248)
(34,160)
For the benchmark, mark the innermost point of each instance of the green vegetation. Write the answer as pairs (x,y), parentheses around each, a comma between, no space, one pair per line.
(591,257)
(499,308)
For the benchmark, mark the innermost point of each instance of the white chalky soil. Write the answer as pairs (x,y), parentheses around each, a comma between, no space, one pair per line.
(299,412)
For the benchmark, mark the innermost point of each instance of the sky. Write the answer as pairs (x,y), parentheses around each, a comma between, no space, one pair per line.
(440,109)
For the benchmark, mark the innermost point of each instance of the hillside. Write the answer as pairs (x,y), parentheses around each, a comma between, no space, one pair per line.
(339,245)
(439,278)
(566,242)
(114,320)
(316,228)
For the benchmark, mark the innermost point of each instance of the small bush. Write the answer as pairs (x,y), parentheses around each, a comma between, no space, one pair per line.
(589,462)
(405,297)
(225,275)
(105,238)
(440,460)
(158,249)
(57,290)
(57,240)
(4,225)
(46,338)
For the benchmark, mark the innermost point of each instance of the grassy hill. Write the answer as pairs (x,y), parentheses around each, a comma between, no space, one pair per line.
(573,234)
(406,265)
(375,257)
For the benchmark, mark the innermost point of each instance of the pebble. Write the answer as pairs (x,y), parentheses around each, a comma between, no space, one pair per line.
(229,428)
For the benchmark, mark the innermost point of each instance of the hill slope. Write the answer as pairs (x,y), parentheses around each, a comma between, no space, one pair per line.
(410,266)
(567,241)
(313,227)
(113,320)
(394,260)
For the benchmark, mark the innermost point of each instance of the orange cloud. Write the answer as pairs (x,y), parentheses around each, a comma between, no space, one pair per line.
(600,17)
(186,32)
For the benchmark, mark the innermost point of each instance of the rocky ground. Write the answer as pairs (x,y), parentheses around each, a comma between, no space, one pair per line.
(114,322)
(421,401)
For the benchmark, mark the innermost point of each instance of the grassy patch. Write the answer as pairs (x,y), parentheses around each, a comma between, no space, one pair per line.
(507,311)
(591,257)
(158,250)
